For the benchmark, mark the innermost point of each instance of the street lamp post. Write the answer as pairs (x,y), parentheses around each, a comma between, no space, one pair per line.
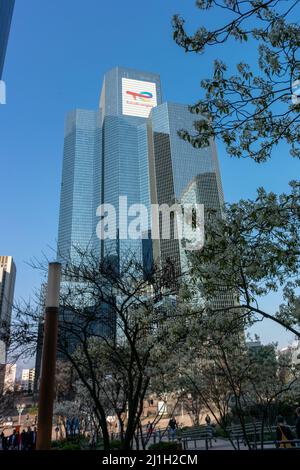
(20,408)
(47,382)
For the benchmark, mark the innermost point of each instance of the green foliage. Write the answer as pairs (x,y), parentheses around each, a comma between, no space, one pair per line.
(56,444)
(115,444)
(220,432)
(79,443)
(65,444)
(70,446)
(252,251)
(33,410)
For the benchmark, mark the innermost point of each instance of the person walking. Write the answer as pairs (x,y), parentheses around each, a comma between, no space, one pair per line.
(283,434)
(172,427)
(10,439)
(14,440)
(34,437)
(207,419)
(4,441)
(19,439)
(24,443)
(209,431)
(30,437)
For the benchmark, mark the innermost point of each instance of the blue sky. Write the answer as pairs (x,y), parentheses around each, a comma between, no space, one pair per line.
(58,52)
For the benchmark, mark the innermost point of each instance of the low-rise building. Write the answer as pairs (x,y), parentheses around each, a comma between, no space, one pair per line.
(28,379)
(7,378)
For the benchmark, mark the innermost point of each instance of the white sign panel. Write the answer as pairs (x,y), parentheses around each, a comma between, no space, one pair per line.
(138,97)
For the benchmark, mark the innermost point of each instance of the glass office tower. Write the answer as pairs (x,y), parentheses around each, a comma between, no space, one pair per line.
(179,172)
(105,159)
(127,98)
(6,12)
(130,149)
(81,185)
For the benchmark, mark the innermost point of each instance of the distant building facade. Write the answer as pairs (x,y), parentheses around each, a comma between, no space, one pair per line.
(27,379)
(291,355)
(7,378)
(7,286)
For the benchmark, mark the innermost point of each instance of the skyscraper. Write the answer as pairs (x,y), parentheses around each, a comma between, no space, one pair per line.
(127,98)
(128,153)
(180,173)
(7,286)
(130,150)
(6,12)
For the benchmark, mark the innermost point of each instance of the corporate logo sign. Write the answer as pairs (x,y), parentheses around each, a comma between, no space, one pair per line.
(138,97)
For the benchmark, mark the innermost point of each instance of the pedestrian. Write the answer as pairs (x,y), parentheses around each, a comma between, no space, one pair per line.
(209,435)
(149,428)
(15,440)
(34,437)
(172,428)
(284,433)
(18,438)
(10,440)
(30,437)
(56,432)
(4,441)
(24,443)
(68,427)
(209,431)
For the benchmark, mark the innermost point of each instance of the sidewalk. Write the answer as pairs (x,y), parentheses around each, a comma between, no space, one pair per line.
(221,444)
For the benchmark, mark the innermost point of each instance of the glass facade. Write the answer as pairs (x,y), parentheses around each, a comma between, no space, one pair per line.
(6,12)
(130,149)
(125,155)
(81,185)
(186,161)
(105,158)
(180,172)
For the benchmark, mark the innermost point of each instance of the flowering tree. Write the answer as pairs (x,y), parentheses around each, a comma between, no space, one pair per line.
(256,108)
(111,326)
(252,251)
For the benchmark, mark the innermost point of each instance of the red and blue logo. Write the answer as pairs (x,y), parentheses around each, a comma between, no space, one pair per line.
(141,96)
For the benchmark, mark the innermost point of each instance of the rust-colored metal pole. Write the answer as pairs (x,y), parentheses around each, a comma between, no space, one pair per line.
(47,381)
